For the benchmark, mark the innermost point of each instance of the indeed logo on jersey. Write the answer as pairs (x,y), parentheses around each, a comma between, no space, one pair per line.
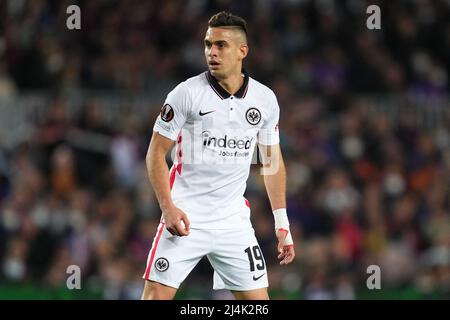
(225,141)
(226,145)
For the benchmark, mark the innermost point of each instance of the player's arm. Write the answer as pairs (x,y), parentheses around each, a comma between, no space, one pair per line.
(274,172)
(158,173)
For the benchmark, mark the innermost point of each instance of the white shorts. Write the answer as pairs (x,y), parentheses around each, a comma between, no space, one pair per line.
(233,253)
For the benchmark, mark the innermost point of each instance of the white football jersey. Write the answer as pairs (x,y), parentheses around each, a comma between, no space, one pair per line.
(216,135)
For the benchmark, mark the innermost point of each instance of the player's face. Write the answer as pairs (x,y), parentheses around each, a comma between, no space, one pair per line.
(225,48)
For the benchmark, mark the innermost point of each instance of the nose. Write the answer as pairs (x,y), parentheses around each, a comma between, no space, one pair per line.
(212,51)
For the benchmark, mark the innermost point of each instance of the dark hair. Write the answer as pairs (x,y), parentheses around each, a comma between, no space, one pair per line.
(226,19)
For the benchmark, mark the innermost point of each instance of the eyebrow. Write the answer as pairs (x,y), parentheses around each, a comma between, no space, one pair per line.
(217,42)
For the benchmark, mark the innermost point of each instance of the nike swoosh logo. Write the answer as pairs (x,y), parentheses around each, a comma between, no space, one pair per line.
(203,113)
(256,278)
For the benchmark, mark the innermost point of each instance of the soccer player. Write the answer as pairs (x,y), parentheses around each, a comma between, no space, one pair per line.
(215,119)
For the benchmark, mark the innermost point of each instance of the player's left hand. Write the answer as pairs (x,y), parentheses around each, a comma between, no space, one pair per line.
(286,251)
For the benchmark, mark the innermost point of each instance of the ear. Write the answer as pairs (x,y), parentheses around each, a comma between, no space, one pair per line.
(243,50)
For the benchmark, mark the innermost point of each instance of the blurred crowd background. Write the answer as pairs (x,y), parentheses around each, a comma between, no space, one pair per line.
(365,130)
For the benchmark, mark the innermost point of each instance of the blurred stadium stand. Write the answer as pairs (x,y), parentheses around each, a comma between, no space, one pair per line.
(365,124)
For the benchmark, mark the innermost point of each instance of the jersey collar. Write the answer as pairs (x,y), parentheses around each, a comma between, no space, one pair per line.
(224,94)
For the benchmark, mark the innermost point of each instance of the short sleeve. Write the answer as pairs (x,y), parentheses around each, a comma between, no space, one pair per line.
(174,113)
(269,133)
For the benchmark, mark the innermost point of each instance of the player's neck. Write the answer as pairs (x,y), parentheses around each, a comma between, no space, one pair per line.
(232,83)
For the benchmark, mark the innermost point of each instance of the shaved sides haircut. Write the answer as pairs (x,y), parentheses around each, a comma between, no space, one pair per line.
(227,20)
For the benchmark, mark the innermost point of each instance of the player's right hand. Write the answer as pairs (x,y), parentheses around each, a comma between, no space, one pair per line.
(177,222)
(285,246)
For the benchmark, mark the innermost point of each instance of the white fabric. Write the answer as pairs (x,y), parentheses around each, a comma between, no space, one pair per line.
(282,222)
(225,249)
(217,148)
